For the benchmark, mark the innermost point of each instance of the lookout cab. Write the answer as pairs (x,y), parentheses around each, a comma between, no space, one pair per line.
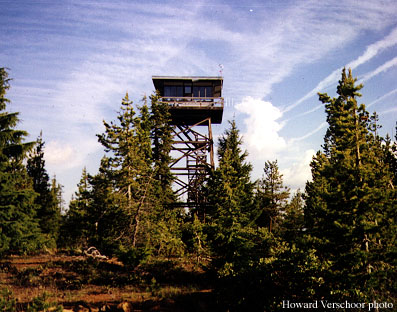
(194,103)
(191,99)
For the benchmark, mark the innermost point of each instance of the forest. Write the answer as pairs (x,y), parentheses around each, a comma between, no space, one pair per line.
(258,247)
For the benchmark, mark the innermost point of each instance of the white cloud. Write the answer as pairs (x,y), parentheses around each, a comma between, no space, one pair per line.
(62,155)
(299,172)
(59,154)
(261,135)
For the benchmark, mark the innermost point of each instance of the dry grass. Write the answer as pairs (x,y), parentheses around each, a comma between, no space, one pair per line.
(70,280)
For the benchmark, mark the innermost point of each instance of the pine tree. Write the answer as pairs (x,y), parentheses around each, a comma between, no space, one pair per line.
(271,197)
(242,253)
(48,213)
(390,151)
(129,167)
(161,135)
(57,193)
(138,148)
(230,184)
(109,217)
(230,195)
(349,203)
(75,224)
(19,231)
(293,221)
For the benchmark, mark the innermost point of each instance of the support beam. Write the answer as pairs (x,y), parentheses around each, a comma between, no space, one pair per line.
(193,154)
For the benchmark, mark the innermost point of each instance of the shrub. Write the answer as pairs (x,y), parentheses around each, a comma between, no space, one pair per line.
(132,257)
(41,304)
(7,301)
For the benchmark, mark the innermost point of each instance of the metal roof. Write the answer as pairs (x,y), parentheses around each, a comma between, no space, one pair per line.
(193,78)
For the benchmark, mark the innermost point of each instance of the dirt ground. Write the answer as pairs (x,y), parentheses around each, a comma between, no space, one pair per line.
(78,282)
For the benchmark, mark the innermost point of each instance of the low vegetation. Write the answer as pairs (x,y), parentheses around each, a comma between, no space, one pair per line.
(49,282)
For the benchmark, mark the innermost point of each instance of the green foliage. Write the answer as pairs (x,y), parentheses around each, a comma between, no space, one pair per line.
(292,226)
(122,207)
(230,195)
(19,230)
(248,281)
(42,304)
(349,203)
(7,301)
(74,231)
(195,238)
(271,197)
(133,256)
(48,208)
(230,189)
(161,134)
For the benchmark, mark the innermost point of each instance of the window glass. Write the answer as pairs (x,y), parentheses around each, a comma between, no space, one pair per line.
(167,91)
(196,91)
(173,91)
(202,91)
(188,89)
(179,91)
(208,91)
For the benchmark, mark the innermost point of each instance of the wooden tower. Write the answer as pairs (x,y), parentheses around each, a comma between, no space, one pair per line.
(195,103)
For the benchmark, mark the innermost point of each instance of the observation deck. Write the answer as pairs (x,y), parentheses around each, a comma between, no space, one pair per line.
(191,99)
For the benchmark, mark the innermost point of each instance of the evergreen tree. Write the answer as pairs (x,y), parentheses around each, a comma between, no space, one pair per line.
(75,224)
(230,184)
(293,220)
(350,202)
(19,231)
(230,195)
(127,142)
(121,209)
(57,193)
(48,213)
(109,215)
(271,197)
(140,180)
(161,135)
(390,151)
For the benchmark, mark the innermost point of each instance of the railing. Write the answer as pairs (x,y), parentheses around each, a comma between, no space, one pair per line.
(187,101)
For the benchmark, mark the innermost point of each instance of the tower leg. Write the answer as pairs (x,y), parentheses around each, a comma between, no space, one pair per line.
(193,158)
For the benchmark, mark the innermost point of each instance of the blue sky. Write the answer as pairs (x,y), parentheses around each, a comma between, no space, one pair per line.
(73,61)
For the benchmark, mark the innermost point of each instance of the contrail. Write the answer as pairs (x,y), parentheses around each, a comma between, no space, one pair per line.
(382,97)
(380,69)
(371,51)
(322,125)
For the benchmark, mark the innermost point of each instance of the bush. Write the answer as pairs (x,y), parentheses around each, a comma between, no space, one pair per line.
(7,302)
(41,304)
(29,276)
(132,257)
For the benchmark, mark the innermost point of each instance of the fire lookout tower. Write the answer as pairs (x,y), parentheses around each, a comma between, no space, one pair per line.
(195,103)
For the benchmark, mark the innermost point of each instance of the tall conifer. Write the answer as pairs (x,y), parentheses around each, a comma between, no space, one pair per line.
(161,135)
(271,197)
(350,201)
(48,212)
(230,195)
(19,230)
(128,145)
(75,225)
